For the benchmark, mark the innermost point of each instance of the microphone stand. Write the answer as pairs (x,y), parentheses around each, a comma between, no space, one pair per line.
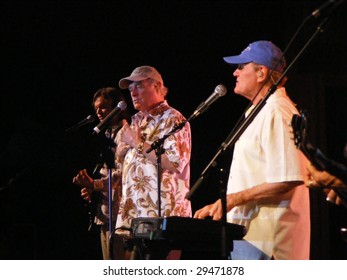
(224,235)
(237,131)
(109,161)
(157,145)
(159,150)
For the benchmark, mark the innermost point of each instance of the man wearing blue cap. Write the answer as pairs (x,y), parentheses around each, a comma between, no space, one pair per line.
(266,192)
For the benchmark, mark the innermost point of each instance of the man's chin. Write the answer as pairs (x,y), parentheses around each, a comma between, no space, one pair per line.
(137,105)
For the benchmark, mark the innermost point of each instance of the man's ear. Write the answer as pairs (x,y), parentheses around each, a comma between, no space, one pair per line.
(156,84)
(262,72)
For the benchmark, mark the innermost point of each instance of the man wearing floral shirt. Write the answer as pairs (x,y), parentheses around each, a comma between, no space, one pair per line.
(154,119)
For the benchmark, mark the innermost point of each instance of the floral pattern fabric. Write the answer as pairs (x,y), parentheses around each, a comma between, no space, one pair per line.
(140,176)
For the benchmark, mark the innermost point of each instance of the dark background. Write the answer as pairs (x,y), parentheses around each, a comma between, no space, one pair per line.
(56,54)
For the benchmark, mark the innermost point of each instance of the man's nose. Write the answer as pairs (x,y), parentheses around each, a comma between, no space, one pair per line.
(134,92)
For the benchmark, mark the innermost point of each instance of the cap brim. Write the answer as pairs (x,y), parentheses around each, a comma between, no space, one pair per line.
(124,83)
(236,59)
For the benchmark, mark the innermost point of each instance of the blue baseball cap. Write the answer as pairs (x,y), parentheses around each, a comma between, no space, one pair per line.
(260,52)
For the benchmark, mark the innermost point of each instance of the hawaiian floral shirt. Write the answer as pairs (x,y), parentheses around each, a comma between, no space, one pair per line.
(139,178)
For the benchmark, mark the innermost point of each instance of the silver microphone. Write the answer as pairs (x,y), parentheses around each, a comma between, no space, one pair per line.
(326,7)
(219,91)
(121,106)
(89,119)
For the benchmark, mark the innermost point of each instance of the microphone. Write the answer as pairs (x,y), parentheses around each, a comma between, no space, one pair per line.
(326,7)
(219,91)
(105,122)
(89,119)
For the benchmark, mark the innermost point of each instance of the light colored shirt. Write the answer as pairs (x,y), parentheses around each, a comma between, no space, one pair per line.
(265,152)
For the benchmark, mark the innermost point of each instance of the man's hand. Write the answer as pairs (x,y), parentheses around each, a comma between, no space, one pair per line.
(83,180)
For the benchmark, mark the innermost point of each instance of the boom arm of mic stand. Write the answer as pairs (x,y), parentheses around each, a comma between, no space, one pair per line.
(232,137)
(157,143)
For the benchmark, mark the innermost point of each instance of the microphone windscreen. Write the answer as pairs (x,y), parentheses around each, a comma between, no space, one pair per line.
(122,105)
(221,90)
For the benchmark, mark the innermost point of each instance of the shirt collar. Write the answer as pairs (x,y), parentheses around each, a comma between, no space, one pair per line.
(157,110)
